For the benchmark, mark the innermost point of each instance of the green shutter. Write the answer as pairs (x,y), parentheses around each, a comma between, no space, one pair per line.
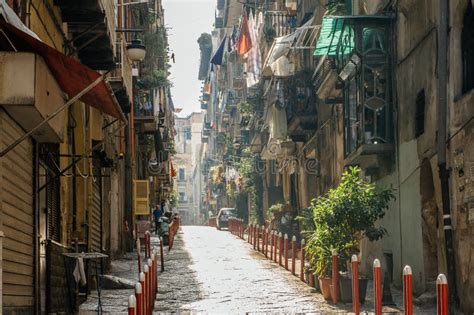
(330,35)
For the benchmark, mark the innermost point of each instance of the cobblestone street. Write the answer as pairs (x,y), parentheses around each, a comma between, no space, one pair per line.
(213,271)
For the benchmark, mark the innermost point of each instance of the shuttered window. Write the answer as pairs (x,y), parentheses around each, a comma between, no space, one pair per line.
(49,158)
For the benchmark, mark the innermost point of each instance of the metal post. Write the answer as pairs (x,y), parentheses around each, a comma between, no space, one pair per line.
(139,258)
(377,287)
(161,255)
(139,299)
(280,249)
(142,284)
(128,189)
(132,305)
(151,301)
(286,251)
(147,288)
(442,295)
(408,290)
(335,277)
(267,241)
(441,139)
(355,284)
(293,255)
(302,260)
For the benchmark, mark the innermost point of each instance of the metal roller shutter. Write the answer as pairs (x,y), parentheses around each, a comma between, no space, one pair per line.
(96,212)
(16,198)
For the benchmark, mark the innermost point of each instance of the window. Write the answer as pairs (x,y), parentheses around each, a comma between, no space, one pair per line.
(420,114)
(467,48)
(182,197)
(182,174)
(187,133)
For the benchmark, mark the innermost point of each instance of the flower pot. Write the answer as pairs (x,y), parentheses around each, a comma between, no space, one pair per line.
(324,284)
(345,289)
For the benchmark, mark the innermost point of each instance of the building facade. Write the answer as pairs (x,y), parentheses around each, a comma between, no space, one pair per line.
(339,83)
(68,144)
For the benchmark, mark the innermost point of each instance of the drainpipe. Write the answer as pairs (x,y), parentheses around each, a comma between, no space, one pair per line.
(128,192)
(442,137)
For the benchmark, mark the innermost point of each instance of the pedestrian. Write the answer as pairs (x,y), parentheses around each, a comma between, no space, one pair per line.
(157,214)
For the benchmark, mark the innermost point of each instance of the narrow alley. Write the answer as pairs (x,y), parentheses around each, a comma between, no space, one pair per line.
(219,273)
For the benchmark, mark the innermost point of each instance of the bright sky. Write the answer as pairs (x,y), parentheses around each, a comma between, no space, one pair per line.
(186,20)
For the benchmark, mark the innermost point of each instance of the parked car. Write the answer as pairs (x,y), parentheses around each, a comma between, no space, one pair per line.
(223,217)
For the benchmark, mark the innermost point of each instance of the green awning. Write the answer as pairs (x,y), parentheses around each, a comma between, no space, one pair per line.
(330,35)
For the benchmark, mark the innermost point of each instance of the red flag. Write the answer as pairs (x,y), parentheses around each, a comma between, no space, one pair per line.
(244,43)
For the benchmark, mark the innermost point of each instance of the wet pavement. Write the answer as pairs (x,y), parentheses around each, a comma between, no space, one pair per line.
(211,271)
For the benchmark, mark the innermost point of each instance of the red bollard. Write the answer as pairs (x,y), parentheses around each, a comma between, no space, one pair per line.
(271,245)
(442,295)
(161,255)
(335,278)
(267,242)
(146,303)
(286,251)
(302,260)
(255,236)
(258,238)
(155,272)
(147,235)
(280,249)
(151,300)
(263,239)
(250,234)
(138,296)
(355,284)
(377,287)
(139,258)
(408,290)
(143,283)
(293,255)
(311,280)
(132,305)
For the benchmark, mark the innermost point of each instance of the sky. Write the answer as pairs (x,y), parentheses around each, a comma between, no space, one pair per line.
(186,20)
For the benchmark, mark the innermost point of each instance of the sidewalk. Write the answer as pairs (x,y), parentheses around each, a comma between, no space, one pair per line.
(115,301)
(368,306)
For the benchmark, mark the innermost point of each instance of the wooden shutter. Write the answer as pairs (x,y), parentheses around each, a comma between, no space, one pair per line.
(141,191)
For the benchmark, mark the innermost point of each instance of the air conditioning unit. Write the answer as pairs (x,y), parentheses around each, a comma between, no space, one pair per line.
(141,193)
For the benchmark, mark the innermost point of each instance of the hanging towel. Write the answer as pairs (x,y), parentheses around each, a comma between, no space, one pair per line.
(79,273)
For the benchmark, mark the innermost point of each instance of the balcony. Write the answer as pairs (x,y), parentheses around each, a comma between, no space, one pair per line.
(278,23)
(92,26)
(121,78)
(363,61)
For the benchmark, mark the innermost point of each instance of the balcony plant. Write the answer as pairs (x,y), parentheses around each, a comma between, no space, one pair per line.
(343,217)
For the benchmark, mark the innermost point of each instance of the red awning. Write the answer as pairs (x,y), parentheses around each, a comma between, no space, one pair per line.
(70,74)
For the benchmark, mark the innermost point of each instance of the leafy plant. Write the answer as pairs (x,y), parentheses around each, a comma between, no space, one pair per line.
(278,207)
(306,220)
(344,216)
(173,199)
(155,79)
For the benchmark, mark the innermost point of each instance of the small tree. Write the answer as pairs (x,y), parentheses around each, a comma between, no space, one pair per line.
(344,216)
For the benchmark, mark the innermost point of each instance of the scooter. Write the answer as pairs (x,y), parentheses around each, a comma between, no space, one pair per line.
(163,229)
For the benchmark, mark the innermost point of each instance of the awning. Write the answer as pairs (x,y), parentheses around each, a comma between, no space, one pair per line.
(329,35)
(334,37)
(72,76)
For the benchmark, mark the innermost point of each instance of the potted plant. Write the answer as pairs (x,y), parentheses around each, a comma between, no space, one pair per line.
(343,217)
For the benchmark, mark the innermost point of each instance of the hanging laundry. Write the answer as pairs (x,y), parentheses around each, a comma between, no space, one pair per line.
(254,57)
(231,43)
(244,43)
(79,273)
(219,54)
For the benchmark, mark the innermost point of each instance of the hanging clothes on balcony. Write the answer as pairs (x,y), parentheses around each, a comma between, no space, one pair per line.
(244,43)
(254,56)
(277,123)
(219,54)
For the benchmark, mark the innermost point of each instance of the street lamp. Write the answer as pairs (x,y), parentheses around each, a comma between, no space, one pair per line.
(136,50)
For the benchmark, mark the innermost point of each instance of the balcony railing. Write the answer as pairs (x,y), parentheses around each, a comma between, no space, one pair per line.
(279,23)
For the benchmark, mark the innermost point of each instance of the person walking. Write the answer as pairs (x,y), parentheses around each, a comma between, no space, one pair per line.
(157,214)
